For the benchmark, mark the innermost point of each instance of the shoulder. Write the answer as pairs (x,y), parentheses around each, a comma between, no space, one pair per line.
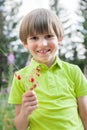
(24,70)
(72,70)
(69,66)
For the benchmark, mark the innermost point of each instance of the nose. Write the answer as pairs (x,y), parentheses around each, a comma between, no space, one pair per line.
(44,42)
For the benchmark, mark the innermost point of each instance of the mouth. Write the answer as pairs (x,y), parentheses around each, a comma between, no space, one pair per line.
(46,51)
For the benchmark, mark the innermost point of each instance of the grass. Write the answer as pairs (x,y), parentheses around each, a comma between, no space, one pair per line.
(7,113)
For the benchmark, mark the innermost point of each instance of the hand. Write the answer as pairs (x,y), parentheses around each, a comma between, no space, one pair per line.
(29,103)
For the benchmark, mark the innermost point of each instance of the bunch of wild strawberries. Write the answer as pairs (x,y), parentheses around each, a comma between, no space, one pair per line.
(30,80)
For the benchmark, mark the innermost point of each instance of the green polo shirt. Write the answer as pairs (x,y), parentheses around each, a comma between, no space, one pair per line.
(57,93)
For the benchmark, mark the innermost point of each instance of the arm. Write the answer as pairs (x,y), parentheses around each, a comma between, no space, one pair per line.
(20,119)
(82,106)
(29,104)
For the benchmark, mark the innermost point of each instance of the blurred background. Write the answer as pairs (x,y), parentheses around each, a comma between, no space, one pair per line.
(13,56)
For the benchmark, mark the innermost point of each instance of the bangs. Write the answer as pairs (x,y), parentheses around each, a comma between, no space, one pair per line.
(40,25)
(40,21)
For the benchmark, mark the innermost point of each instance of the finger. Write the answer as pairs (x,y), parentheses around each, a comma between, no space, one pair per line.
(32,108)
(31,103)
(29,99)
(29,94)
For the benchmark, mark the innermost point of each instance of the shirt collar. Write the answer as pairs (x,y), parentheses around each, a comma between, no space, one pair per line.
(35,64)
(58,61)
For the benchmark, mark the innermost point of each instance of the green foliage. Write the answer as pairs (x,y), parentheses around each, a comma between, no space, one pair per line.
(6,114)
(75,33)
(3,40)
(21,59)
(83,8)
(8,22)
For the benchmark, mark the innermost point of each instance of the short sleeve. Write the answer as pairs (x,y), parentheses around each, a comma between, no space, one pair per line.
(80,82)
(16,92)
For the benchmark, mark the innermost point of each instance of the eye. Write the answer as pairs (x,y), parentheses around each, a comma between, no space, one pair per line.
(49,36)
(34,38)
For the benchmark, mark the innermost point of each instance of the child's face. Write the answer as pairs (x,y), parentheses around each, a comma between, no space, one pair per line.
(43,48)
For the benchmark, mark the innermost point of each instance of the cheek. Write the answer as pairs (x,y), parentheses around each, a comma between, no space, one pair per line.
(31,47)
(54,43)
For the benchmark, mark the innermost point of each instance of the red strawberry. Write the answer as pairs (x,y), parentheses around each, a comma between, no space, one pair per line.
(38,69)
(35,85)
(32,79)
(38,74)
(19,77)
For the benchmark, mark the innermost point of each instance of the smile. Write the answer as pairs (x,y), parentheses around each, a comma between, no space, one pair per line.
(43,51)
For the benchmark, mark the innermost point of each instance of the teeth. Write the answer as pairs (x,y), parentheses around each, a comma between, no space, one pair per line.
(43,51)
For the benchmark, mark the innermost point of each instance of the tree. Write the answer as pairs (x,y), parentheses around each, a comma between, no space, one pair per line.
(3,42)
(8,22)
(83,8)
(73,49)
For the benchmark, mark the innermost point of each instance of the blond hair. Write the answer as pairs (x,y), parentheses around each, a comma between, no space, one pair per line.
(40,21)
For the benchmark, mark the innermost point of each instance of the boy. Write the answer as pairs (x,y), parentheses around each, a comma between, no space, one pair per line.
(60,100)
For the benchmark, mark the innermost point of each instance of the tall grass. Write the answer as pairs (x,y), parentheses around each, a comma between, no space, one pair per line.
(7,113)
